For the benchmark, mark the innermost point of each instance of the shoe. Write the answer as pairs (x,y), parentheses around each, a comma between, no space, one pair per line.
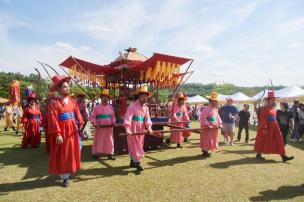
(17,132)
(247,142)
(132,164)
(95,156)
(231,144)
(5,129)
(225,141)
(292,140)
(111,157)
(286,158)
(66,182)
(179,146)
(185,140)
(300,140)
(168,141)
(209,154)
(206,154)
(259,156)
(14,129)
(139,168)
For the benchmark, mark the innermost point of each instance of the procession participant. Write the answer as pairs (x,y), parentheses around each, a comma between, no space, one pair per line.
(9,114)
(137,119)
(179,113)
(62,129)
(19,113)
(80,100)
(187,134)
(103,114)
(210,120)
(229,116)
(269,139)
(44,122)
(31,120)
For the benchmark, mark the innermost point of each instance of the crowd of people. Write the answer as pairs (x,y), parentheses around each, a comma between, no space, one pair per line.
(66,122)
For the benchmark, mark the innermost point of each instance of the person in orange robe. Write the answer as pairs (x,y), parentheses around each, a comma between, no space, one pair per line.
(63,131)
(269,139)
(31,120)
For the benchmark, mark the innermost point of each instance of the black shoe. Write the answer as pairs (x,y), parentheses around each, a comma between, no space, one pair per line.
(185,140)
(209,154)
(14,129)
(111,157)
(17,132)
(259,156)
(95,157)
(132,164)
(179,146)
(139,168)
(206,154)
(286,158)
(66,182)
(168,141)
(5,129)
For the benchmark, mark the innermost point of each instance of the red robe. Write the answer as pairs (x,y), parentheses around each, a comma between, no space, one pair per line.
(272,142)
(64,158)
(31,120)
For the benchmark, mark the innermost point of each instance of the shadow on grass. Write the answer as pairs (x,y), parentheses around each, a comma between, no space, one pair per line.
(244,161)
(241,152)
(172,162)
(282,193)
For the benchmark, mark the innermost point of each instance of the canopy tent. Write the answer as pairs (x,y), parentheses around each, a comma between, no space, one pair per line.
(196,99)
(239,97)
(289,93)
(223,97)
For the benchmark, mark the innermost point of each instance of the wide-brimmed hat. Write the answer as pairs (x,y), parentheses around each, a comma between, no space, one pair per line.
(105,92)
(31,96)
(213,96)
(271,94)
(143,89)
(57,80)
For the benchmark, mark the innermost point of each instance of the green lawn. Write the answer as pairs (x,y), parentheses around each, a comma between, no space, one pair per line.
(232,174)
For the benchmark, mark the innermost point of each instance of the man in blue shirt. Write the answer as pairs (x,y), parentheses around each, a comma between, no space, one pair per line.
(229,115)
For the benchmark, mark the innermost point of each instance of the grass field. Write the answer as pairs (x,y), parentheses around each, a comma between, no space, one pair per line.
(232,174)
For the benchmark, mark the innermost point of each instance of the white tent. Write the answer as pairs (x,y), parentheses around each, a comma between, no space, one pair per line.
(196,99)
(223,97)
(239,96)
(259,95)
(289,92)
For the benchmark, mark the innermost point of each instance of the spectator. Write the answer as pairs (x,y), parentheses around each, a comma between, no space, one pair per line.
(301,121)
(243,120)
(295,136)
(229,113)
(284,118)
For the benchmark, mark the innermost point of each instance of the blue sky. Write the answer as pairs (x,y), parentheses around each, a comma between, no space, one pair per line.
(237,41)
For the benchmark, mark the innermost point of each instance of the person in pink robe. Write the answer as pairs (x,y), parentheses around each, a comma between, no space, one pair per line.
(137,119)
(103,114)
(210,120)
(179,113)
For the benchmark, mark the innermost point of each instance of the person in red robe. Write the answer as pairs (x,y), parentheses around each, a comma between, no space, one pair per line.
(269,138)
(31,120)
(63,131)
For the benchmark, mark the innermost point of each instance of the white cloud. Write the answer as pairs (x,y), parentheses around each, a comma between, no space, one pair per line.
(296,44)
(292,25)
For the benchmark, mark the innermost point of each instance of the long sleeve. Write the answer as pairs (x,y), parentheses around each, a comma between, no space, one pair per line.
(148,122)
(128,117)
(78,116)
(203,117)
(24,117)
(93,117)
(262,119)
(113,118)
(53,125)
(218,119)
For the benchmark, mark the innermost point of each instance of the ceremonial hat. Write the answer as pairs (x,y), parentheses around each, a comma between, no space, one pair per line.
(57,80)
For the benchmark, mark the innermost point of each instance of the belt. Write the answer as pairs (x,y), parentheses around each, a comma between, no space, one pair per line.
(31,116)
(138,118)
(271,118)
(179,114)
(66,116)
(103,116)
(211,118)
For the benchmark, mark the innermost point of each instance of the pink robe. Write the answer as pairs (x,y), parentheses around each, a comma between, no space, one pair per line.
(104,138)
(136,142)
(209,137)
(178,114)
